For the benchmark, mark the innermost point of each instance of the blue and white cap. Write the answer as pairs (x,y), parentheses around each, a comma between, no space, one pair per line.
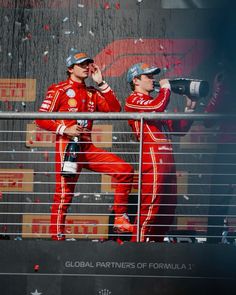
(77,57)
(141,69)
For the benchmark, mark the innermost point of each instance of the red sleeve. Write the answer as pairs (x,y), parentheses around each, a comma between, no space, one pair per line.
(107,100)
(51,104)
(216,100)
(137,103)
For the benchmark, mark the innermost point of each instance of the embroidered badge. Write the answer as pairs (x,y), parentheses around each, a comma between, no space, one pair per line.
(72,102)
(70,93)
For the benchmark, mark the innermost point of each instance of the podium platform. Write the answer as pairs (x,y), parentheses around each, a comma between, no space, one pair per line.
(41,267)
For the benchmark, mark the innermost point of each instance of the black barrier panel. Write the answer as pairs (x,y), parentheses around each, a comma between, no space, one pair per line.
(47,267)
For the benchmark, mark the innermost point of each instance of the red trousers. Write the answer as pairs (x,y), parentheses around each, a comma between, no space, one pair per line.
(94,159)
(158,195)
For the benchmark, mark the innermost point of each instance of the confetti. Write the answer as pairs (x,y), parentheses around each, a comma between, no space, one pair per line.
(45,53)
(36,267)
(117,5)
(17,23)
(65,19)
(80,5)
(91,33)
(67,32)
(106,6)
(24,39)
(9,54)
(79,23)
(97,197)
(161,47)
(28,199)
(31,142)
(46,27)
(186,197)
(23,104)
(138,40)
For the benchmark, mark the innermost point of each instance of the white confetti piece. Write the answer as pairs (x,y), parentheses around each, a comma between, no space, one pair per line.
(65,19)
(17,23)
(186,197)
(80,5)
(91,33)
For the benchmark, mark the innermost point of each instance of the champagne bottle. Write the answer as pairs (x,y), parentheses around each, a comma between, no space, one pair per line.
(193,88)
(70,163)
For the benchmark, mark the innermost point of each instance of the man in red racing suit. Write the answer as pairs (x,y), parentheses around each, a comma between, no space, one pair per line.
(158,195)
(72,95)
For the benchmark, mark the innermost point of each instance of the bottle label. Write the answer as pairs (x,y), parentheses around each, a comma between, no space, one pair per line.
(70,167)
(194,88)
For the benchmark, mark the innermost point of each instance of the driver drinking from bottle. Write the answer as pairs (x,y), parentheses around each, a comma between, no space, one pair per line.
(158,191)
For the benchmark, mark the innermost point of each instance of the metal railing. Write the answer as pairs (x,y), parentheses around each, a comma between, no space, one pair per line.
(27,184)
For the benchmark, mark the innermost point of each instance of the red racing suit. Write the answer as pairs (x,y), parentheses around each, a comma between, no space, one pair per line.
(70,96)
(158,195)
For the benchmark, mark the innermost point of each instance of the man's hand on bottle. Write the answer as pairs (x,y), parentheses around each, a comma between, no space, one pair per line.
(190,104)
(73,131)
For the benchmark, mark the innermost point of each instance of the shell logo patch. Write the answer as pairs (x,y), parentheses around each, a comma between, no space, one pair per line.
(72,102)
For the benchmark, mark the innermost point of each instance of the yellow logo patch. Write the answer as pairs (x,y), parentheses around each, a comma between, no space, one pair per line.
(72,102)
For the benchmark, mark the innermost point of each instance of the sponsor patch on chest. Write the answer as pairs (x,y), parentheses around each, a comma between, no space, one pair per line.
(72,102)
(70,93)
